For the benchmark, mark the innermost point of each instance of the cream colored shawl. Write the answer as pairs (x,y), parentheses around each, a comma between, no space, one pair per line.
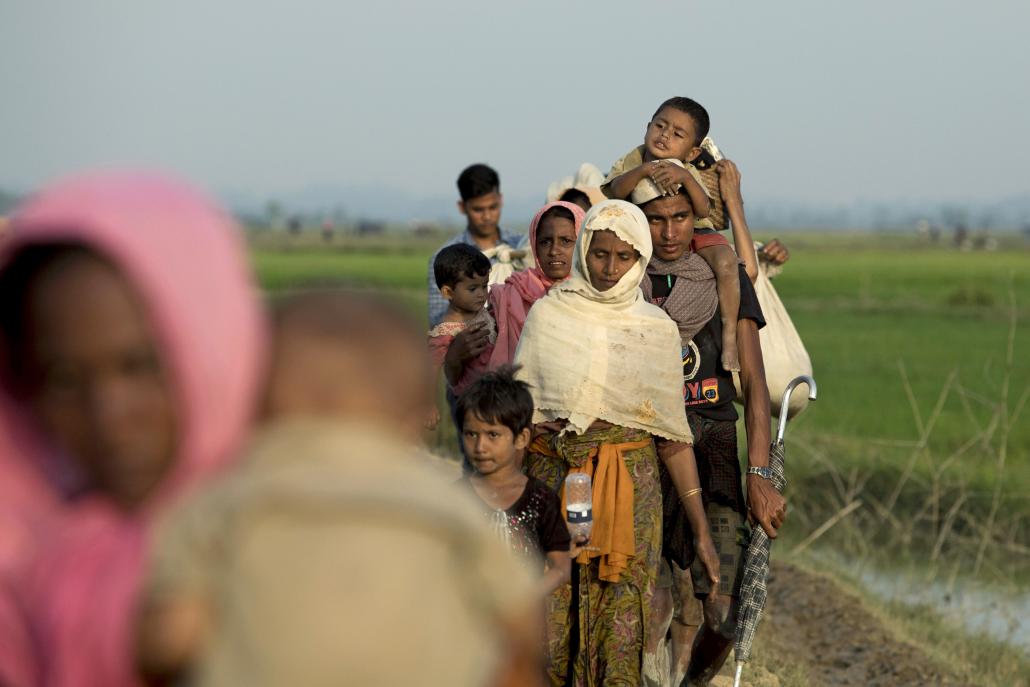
(608,355)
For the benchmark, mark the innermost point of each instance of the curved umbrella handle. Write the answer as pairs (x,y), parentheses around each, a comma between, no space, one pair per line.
(803,379)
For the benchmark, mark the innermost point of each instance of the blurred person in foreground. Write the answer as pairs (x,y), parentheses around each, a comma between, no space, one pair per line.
(131,341)
(338,554)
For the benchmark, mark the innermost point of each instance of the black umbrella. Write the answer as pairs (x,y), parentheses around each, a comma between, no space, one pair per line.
(756,561)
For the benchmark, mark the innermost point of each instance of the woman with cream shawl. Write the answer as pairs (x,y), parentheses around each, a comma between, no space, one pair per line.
(552,236)
(130,351)
(605,372)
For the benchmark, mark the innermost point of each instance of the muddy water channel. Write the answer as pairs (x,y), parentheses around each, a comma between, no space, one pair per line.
(1000,613)
(1003,613)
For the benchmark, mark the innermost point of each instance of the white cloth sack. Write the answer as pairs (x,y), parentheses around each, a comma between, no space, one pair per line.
(587,176)
(508,261)
(783,352)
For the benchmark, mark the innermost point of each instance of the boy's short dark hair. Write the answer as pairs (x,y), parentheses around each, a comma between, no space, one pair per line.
(477,180)
(692,109)
(497,397)
(459,261)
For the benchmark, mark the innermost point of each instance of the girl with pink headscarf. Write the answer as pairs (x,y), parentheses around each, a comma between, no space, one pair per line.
(552,237)
(129,365)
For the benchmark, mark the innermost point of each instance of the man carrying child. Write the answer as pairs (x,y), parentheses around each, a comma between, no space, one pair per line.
(708,397)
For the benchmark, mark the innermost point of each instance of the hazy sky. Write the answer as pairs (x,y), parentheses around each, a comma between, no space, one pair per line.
(820,100)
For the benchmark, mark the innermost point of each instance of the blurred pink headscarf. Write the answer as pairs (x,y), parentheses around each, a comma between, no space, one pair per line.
(510,301)
(76,564)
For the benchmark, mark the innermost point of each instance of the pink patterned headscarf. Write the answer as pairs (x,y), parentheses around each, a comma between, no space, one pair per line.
(510,301)
(76,572)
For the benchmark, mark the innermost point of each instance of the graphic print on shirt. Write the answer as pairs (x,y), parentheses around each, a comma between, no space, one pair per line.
(704,392)
(691,361)
(697,393)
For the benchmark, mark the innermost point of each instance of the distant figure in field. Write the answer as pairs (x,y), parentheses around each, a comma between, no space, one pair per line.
(338,554)
(672,141)
(481,202)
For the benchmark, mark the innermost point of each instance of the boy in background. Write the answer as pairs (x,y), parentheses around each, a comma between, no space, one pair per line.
(481,202)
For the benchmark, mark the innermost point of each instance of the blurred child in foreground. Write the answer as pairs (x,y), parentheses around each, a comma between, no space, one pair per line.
(131,342)
(337,554)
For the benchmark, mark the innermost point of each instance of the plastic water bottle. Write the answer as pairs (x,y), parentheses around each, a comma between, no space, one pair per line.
(579,510)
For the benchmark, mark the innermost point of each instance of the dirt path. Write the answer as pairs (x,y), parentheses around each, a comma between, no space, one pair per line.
(814,624)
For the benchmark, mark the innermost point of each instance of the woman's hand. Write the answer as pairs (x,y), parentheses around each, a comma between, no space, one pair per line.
(470,343)
(709,557)
(466,346)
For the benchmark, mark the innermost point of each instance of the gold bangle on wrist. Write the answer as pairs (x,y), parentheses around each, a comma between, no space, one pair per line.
(690,492)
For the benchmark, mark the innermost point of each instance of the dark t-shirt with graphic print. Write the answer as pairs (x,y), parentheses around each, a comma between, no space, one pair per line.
(707,387)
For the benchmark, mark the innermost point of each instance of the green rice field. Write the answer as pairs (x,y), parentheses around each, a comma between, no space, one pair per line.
(918,387)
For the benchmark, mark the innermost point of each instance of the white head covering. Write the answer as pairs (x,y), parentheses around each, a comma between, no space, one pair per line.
(588,179)
(608,355)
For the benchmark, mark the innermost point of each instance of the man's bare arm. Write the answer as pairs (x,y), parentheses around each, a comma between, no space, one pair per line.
(766,505)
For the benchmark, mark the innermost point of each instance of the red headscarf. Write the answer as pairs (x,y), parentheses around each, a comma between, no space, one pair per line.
(76,584)
(510,301)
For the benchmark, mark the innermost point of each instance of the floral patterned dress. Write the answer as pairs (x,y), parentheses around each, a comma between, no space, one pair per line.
(598,637)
